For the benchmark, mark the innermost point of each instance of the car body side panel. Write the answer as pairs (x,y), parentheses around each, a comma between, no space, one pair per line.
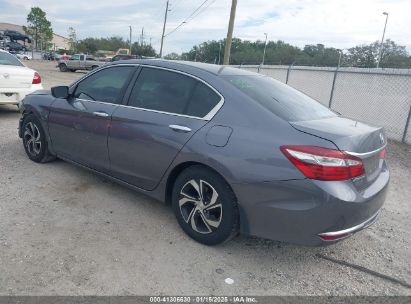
(142,145)
(76,133)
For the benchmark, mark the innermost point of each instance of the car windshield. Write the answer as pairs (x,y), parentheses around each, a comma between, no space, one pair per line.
(282,100)
(9,59)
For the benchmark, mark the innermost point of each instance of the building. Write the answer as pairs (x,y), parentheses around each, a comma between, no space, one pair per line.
(58,42)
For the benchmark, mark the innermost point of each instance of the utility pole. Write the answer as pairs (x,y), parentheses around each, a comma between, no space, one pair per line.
(382,40)
(339,58)
(265,47)
(227,48)
(130,38)
(164,29)
(219,52)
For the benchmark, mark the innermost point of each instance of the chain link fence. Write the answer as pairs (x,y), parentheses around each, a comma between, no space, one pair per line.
(376,97)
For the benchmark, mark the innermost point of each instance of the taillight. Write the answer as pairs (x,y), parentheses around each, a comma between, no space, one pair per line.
(36,78)
(323,163)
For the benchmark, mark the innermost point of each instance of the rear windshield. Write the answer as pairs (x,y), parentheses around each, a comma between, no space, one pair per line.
(9,59)
(280,99)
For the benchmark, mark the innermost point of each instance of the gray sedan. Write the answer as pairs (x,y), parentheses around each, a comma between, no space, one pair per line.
(232,151)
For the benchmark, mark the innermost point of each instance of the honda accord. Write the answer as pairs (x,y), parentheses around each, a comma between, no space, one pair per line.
(232,151)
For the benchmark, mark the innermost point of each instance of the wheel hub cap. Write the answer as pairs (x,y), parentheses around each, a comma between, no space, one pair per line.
(32,138)
(200,206)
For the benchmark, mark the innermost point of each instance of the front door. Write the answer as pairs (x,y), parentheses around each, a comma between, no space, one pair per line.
(79,126)
(164,111)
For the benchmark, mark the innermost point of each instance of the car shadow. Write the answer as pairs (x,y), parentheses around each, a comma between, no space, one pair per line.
(8,110)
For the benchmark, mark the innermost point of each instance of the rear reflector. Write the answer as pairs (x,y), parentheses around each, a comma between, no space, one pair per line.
(335,237)
(36,78)
(323,163)
(383,153)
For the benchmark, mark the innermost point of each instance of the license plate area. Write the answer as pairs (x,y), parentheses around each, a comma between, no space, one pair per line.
(8,96)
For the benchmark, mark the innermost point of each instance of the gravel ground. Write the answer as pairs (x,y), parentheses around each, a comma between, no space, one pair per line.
(66,231)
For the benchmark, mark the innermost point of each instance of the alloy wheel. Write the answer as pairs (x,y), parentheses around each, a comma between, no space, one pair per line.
(200,206)
(32,138)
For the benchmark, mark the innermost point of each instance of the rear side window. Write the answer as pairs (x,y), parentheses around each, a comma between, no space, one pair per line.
(202,101)
(172,92)
(106,85)
(282,100)
(9,59)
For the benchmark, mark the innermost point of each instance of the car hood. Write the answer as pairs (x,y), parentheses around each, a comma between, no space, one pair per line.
(346,134)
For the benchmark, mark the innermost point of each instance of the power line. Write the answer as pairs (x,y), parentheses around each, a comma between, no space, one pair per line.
(203,10)
(187,19)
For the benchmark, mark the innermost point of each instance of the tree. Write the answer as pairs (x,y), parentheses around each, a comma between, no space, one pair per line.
(392,55)
(88,45)
(143,50)
(172,56)
(72,38)
(39,27)
(280,52)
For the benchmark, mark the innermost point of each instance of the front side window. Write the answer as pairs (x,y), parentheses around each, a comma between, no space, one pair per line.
(172,92)
(106,85)
(75,57)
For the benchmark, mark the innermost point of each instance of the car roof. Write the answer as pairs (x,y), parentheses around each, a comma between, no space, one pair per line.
(218,70)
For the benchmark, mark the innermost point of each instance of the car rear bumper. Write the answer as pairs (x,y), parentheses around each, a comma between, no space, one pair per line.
(300,211)
(15,95)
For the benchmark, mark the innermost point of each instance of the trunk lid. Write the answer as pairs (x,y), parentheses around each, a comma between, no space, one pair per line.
(351,136)
(15,77)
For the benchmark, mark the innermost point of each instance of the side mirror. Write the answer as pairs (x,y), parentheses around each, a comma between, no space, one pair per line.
(60,92)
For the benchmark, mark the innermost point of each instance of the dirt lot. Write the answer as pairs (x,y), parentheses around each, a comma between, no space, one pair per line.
(66,231)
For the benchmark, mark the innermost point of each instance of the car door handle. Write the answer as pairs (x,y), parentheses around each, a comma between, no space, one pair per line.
(178,128)
(100,114)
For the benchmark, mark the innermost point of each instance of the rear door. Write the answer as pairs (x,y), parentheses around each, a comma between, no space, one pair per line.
(79,126)
(165,109)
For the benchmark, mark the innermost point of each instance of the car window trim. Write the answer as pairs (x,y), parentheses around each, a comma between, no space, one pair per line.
(134,79)
(207,117)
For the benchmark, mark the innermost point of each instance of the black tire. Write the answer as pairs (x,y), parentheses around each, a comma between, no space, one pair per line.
(37,150)
(63,67)
(213,224)
(94,67)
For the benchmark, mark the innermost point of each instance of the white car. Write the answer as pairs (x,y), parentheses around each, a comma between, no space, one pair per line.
(24,56)
(16,80)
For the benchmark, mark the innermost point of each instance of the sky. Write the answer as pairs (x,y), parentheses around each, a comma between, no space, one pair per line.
(335,23)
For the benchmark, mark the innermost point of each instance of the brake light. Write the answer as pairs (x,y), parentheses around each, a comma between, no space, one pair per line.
(36,78)
(323,163)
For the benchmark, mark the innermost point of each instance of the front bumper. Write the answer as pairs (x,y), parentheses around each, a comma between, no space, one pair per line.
(298,211)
